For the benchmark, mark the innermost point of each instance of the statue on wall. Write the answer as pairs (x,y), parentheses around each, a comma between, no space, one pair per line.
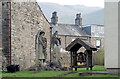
(42,45)
(56,43)
(56,40)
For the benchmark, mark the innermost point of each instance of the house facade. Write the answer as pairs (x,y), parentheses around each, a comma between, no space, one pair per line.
(68,32)
(96,33)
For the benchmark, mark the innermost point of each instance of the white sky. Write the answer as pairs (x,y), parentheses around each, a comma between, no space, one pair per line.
(92,3)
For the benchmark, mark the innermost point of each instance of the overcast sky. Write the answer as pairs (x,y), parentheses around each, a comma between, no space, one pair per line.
(92,3)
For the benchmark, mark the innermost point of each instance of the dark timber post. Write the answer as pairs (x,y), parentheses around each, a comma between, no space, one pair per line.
(87,60)
(71,60)
(91,60)
(75,60)
(51,44)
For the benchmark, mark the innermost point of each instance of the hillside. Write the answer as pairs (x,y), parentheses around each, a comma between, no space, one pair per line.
(67,13)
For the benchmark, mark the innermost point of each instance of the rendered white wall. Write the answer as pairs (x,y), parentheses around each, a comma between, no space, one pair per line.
(112,25)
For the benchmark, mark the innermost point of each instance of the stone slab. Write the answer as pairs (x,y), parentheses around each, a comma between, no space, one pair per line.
(93,73)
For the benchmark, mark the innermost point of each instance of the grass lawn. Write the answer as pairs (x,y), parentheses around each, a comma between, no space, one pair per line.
(34,74)
(57,73)
(95,68)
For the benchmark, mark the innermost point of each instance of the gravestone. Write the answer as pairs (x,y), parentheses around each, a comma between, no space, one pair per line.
(112,37)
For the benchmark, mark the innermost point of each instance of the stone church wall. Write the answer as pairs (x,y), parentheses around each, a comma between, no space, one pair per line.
(27,19)
(5,31)
(0,25)
(0,38)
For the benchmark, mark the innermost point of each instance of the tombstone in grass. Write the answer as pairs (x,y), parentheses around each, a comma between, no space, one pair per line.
(81,57)
(112,37)
(42,45)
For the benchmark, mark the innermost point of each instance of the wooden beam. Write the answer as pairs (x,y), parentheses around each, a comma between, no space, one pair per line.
(71,60)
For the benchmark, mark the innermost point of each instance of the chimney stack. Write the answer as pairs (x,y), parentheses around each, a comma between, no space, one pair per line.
(78,20)
(54,18)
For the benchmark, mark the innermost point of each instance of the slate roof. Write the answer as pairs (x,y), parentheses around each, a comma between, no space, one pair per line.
(69,29)
(94,30)
(78,43)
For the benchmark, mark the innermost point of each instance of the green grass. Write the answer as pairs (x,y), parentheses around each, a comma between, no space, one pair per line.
(77,75)
(34,74)
(100,50)
(57,73)
(95,68)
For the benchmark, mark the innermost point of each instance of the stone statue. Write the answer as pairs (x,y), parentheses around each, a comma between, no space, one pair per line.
(42,45)
(56,43)
(55,39)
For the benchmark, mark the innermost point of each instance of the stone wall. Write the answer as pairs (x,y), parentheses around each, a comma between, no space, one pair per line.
(0,59)
(27,19)
(93,41)
(6,31)
(0,62)
(0,39)
(66,40)
(0,24)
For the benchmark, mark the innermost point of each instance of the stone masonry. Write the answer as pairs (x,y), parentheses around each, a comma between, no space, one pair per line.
(26,20)
(0,38)
(5,9)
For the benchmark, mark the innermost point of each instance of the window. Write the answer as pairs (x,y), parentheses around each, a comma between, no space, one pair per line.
(98,44)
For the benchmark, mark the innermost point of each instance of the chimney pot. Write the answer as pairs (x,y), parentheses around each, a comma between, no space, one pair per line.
(54,18)
(78,20)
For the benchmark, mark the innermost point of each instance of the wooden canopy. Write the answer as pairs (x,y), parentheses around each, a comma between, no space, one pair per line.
(78,43)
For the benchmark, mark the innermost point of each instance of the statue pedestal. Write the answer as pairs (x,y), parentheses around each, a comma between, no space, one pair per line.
(112,37)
